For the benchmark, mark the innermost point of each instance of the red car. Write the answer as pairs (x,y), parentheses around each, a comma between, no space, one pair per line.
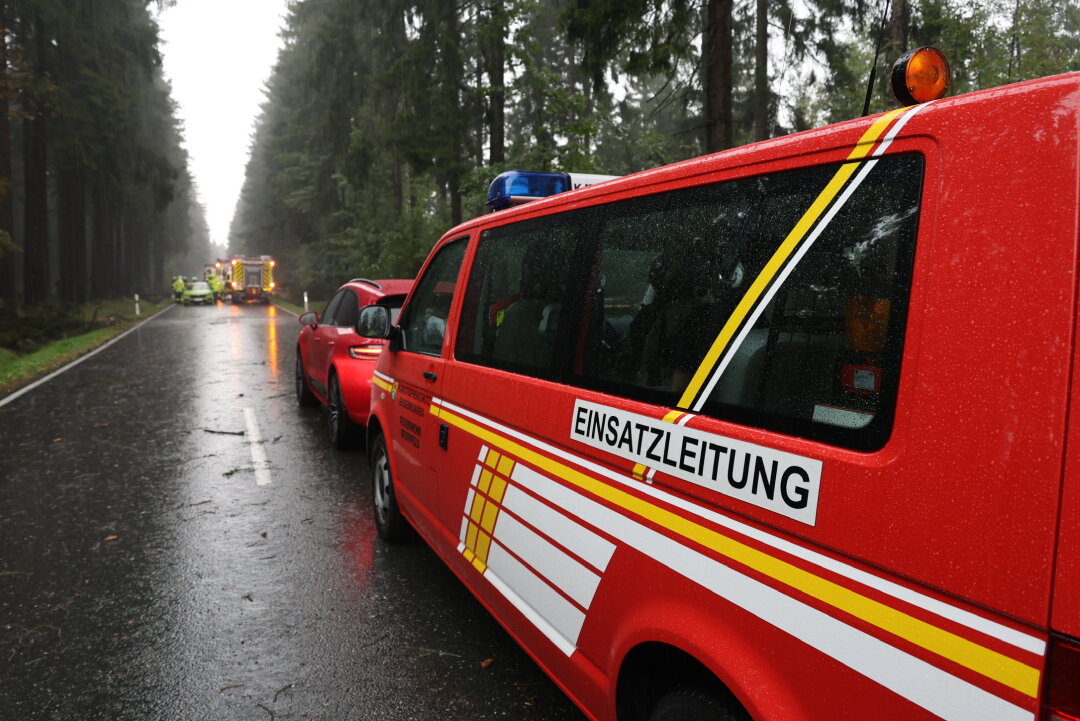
(334,364)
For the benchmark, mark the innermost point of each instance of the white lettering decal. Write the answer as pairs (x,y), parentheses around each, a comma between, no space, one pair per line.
(774,480)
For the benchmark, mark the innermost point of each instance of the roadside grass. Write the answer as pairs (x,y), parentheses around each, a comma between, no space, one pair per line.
(17,369)
(316,305)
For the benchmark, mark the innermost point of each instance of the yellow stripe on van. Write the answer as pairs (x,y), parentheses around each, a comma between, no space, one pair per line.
(782,254)
(987,662)
(639,468)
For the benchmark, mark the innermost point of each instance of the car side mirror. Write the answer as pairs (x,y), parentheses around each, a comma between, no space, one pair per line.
(374,322)
(310,318)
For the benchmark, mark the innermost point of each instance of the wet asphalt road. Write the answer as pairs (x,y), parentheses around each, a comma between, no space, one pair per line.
(152,568)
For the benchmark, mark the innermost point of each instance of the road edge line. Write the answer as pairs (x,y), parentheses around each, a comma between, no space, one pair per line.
(71,364)
(281,307)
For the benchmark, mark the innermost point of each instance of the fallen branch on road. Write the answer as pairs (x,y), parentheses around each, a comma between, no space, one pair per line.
(225,433)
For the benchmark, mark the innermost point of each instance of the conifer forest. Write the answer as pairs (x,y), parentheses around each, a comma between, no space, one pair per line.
(385,120)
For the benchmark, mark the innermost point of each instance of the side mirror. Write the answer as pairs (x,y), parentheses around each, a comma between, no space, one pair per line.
(374,322)
(310,318)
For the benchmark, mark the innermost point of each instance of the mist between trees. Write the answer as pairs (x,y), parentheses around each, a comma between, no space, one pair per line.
(95,194)
(385,120)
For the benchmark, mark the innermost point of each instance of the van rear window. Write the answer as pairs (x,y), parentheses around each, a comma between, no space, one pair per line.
(650,299)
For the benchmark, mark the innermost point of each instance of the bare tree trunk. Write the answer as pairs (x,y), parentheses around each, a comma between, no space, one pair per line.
(761,71)
(8,257)
(102,259)
(898,30)
(451,78)
(717,64)
(36,256)
(495,58)
(72,231)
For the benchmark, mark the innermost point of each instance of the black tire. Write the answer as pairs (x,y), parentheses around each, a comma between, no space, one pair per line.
(693,704)
(389,522)
(304,397)
(343,432)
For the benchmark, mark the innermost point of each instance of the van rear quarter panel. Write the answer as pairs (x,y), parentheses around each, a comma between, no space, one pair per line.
(968,502)
(1066,598)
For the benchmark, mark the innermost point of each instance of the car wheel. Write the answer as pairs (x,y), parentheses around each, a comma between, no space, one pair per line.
(343,432)
(304,397)
(692,704)
(389,522)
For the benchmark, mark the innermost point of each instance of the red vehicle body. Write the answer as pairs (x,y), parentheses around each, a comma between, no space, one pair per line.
(861,500)
(334,364)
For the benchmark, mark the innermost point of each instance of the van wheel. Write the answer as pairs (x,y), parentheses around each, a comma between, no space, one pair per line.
(389,522)
(692,704)
(304,397)
(343,432)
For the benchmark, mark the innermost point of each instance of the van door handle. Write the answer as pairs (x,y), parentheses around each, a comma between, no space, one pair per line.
(430,375)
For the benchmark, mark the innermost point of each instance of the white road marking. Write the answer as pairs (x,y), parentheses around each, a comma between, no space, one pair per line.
(258,453)
(292,313)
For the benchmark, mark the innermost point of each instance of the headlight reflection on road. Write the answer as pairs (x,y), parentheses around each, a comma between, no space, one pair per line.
(234,333)
(271,342)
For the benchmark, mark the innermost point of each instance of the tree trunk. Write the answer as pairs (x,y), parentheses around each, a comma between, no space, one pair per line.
(36,255)
(717,62)
(898,30)
(8,257)
(399,187)
(101,261)
(495,59)
(452,70)
(36,230)
(72,230)
(761,71)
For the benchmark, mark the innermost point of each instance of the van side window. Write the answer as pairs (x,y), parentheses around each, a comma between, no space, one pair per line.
(516,297)
(423,322)
(822,359)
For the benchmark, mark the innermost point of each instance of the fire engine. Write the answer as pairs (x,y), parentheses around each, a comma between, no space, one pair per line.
(251,279)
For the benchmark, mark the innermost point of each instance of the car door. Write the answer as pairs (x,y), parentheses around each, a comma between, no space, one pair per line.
(323,340)
(416,370)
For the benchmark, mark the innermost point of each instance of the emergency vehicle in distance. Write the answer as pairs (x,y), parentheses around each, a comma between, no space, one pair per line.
(789,432)
(251,279)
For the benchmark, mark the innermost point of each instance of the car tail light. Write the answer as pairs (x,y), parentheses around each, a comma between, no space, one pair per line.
(1061,693)
(365,351)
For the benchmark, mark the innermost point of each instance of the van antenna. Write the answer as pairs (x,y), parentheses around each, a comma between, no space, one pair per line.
(877,51)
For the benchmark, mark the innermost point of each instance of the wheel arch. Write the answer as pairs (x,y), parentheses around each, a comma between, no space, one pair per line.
(653,669)
(375,428)
(694,644)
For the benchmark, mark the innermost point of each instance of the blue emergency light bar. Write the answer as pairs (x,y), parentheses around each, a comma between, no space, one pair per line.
(520,186)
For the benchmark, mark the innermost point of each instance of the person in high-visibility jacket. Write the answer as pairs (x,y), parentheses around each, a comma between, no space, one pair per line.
(215,285)
(178,288)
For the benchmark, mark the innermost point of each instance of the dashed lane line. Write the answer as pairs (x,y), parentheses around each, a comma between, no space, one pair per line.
(258,454)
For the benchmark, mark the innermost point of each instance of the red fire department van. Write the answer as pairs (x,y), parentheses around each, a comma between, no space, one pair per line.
(785,433)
